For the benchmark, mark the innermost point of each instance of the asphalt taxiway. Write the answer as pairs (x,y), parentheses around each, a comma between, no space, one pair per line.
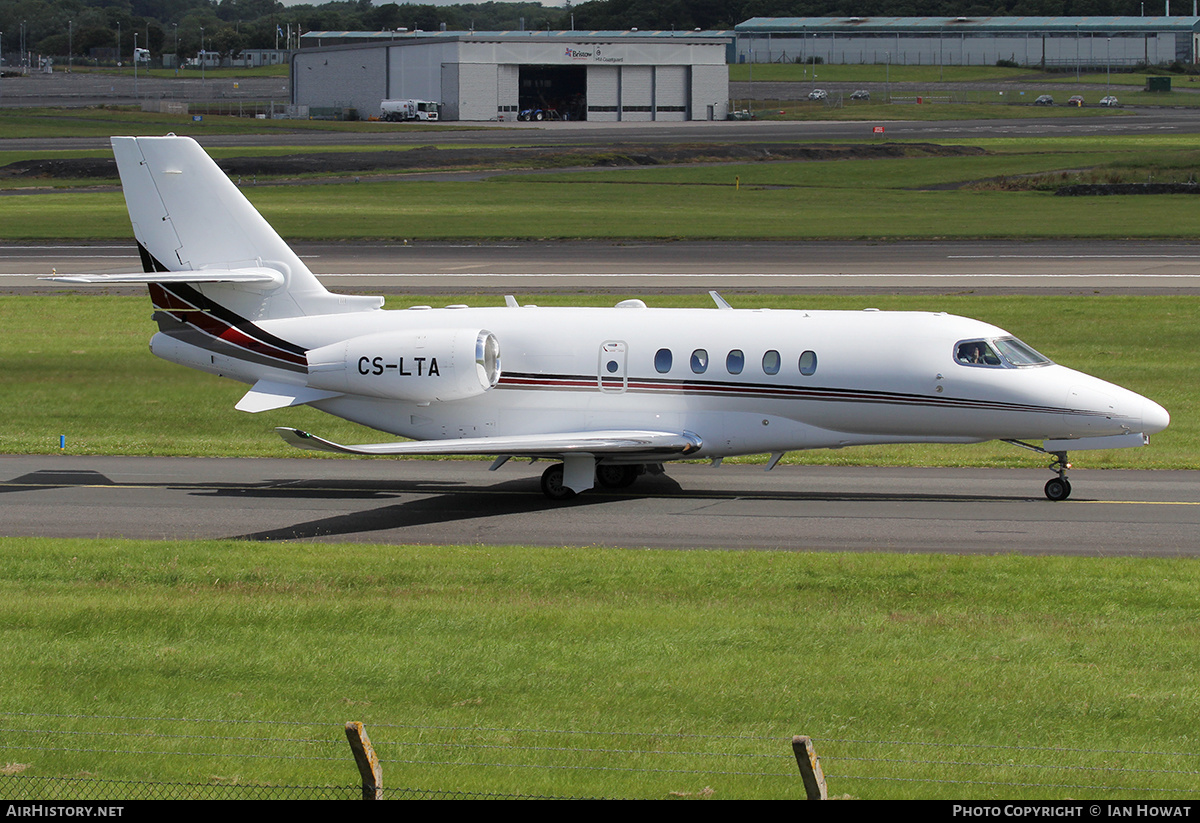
(647,267)
(693,506)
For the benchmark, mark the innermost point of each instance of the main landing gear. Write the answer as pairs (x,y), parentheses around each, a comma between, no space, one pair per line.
(1057,488)
(610,476)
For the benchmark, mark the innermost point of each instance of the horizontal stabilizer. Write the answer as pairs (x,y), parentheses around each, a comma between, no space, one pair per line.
(267,395)
(528,445)
(266,277)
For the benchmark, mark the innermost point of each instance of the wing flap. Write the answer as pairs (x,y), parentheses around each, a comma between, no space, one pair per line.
(649,443)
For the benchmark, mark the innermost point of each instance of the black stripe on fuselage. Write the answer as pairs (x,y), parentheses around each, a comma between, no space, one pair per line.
(202,322)
(765,391)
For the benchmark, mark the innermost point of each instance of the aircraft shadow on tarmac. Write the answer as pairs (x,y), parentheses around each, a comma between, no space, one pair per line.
(55,479)
(442,503)
(438,502)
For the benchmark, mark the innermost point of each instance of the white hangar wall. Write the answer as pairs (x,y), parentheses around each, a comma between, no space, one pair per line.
(477,77)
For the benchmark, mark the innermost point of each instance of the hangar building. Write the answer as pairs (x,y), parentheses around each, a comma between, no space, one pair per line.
(1046,42)
(607,76)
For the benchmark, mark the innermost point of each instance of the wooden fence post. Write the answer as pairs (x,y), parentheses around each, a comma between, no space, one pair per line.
(810,768)
(367,761)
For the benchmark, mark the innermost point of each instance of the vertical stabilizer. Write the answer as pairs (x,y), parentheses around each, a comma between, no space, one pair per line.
(189,217)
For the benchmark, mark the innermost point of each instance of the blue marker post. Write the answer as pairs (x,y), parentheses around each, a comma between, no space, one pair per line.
(62,442)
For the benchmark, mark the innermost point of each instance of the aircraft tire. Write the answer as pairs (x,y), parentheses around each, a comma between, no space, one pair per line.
(617,477)
(1058,488)
(552,484)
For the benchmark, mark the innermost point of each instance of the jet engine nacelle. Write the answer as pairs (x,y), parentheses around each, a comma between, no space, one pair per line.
(419,366)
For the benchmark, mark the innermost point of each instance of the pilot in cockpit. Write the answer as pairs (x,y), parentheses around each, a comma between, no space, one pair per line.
(976,353)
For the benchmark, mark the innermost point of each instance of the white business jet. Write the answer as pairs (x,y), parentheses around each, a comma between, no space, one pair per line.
(612,393)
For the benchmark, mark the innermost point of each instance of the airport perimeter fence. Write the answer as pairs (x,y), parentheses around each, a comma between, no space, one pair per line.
(87,758)
(260,109)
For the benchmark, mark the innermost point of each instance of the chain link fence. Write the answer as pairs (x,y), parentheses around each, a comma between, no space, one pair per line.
(50,757)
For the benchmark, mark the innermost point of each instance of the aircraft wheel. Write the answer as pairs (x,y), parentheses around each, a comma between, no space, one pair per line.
(1058,488)
(617,477)
(552,484)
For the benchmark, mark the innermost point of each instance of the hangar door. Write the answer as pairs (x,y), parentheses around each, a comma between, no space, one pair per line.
(638,93)
(671,85)
(557,92)
(603,92)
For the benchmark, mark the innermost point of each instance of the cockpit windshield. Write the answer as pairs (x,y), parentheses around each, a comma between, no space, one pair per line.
(1003,352)
(1018,354)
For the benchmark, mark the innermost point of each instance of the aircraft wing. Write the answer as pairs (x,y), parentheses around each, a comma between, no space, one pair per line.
(528,445)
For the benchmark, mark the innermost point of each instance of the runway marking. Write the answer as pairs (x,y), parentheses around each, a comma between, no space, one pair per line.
(1073,256)
(1145,502)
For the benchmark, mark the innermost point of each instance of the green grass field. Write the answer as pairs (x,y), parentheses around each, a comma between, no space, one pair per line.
(900,197)
(563,209)
(1073,677)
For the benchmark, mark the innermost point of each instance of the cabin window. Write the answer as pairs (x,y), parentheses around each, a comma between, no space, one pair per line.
(735,361)
(612,366)
(808,362)
(700,361)
(770,362)
(662,361)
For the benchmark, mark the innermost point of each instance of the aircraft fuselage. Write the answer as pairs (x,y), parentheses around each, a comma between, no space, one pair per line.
(744,381)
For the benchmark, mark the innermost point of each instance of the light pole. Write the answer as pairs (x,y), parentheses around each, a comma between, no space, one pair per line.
(202,57)
(70,43)
(135,62)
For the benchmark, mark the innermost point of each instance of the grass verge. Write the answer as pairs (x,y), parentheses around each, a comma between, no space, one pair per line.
(543,209)
(1002,676)
(899,197)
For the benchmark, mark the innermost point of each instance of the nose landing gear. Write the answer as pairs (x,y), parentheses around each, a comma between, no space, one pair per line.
(1057,488)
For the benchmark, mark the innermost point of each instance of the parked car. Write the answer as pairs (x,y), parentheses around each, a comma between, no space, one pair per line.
(1044,100)
(818,94)
(861,94)
(1109,101)
(1076,100)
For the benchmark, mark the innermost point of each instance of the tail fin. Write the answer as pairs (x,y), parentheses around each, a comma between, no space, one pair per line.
(190,219)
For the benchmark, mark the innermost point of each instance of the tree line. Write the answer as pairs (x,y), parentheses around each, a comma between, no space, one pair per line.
(56,27)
